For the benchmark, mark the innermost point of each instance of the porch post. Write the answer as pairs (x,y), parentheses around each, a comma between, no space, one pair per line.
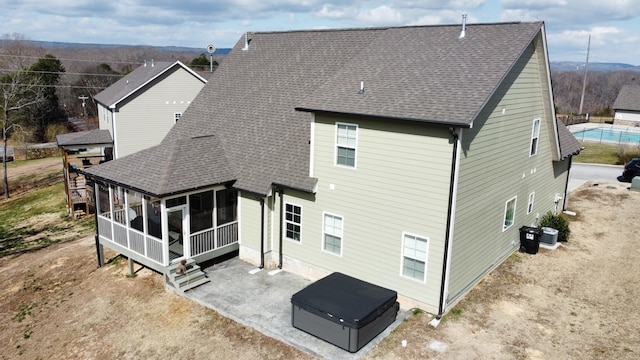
(99,248)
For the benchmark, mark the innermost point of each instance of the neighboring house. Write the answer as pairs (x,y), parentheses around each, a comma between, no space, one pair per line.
(627,106)
(407,157)
(140,109)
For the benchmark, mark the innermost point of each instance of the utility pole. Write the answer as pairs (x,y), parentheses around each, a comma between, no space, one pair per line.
(84,109)
(584,82)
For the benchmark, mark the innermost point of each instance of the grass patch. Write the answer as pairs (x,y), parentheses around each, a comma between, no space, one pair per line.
(608,154)
(595,153)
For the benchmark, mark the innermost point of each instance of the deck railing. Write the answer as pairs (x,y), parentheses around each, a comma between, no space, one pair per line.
(205,241)
(152,248)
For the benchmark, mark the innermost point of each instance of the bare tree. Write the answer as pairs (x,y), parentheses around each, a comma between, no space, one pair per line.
(18,90)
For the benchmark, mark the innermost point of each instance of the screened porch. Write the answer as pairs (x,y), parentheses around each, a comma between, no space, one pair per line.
(159,231)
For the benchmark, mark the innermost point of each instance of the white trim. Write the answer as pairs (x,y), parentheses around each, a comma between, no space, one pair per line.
(504,216)
(551,113)
(311,145)
(403,256)
(335,146)
(322,233)
(284,234)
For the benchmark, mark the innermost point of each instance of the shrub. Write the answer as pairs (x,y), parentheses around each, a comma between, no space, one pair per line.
(626,152)
(558,222)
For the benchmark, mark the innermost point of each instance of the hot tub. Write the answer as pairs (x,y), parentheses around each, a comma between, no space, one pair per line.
(343,310)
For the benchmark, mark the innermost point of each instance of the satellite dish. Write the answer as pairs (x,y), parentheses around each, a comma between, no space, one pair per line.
(211,48)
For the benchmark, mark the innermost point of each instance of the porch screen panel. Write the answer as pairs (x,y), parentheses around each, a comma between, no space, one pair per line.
(119,214)
(154,218)
(137,242)
(134,210)
(104,201)
(104,228)
(226,201)
(201,211)
(203,242)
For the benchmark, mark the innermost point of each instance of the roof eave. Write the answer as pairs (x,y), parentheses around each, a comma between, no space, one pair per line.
(383,117)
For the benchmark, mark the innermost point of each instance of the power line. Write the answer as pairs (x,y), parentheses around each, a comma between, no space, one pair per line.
(55,86)
(81,60)
(60,72)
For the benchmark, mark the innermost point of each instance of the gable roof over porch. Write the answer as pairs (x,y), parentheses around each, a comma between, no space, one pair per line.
(171,168)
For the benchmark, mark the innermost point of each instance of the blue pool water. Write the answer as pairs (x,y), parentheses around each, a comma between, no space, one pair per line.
(608,135)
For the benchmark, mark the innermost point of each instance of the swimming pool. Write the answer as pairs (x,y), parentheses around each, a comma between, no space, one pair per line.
(610,135)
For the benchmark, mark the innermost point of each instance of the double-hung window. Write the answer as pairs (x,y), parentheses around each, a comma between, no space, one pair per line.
(346,141)
(414,257)
(293,220)
(535,136)
(530,204)
(332,234)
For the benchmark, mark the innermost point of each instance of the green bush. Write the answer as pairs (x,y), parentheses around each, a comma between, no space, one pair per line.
(558,222)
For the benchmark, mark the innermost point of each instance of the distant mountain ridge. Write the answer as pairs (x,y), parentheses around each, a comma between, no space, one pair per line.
(596,66)
(555,65)
(67,45)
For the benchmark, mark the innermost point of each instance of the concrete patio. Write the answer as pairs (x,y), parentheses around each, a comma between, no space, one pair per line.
(262,300)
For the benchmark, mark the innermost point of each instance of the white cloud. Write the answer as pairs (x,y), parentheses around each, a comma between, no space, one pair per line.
(380,15)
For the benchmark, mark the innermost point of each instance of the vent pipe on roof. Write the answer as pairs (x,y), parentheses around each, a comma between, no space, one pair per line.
(464,26)
(151,62)
(145,63)
(246,42)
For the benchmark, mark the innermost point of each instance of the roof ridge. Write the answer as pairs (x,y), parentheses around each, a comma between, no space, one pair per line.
(174,149)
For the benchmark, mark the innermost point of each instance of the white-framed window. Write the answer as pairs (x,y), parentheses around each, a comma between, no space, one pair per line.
(332,227)
(509,213)
(414,256)
(535,135)
(177,116)
(346,141)
(293,221)
(530,203)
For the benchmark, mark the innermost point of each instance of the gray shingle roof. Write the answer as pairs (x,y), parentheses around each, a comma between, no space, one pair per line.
(135,80)
(421,73)
(425,73)
(85,138)
(183,164)
(569,145)
(628,98)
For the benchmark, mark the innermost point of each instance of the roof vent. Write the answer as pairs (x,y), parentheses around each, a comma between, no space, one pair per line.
(246,42)
(464,26)
(151,62)
(145,63)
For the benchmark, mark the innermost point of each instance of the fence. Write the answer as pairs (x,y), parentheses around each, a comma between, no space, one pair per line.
(607,135)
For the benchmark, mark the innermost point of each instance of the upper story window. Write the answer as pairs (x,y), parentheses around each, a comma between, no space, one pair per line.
(346,141)
(177,116)
(535,135)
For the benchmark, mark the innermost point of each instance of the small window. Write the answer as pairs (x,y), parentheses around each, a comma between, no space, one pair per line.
(509,213)
(332,230)
(414,257)
(293,220)
(346,140)
(177,116)
(535,134)
(530,204)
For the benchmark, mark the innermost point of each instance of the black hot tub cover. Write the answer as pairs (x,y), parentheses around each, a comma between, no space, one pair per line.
(345,300)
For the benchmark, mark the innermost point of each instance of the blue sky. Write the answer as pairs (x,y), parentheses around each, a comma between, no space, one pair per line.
(614,25)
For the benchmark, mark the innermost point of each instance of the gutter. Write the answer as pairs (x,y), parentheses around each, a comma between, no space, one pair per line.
(95,218)
(447,238)
(261,233)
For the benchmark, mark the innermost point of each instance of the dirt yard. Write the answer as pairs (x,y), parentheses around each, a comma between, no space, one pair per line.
(581,301)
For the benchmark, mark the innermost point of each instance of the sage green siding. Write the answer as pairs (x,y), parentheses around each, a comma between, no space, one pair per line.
(400,184)
(143,119)
(249,215)
(495,166)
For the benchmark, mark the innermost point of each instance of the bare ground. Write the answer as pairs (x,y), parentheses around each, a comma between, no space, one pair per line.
(581,301)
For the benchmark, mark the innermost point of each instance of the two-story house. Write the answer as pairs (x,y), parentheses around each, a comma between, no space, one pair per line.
(408,157)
